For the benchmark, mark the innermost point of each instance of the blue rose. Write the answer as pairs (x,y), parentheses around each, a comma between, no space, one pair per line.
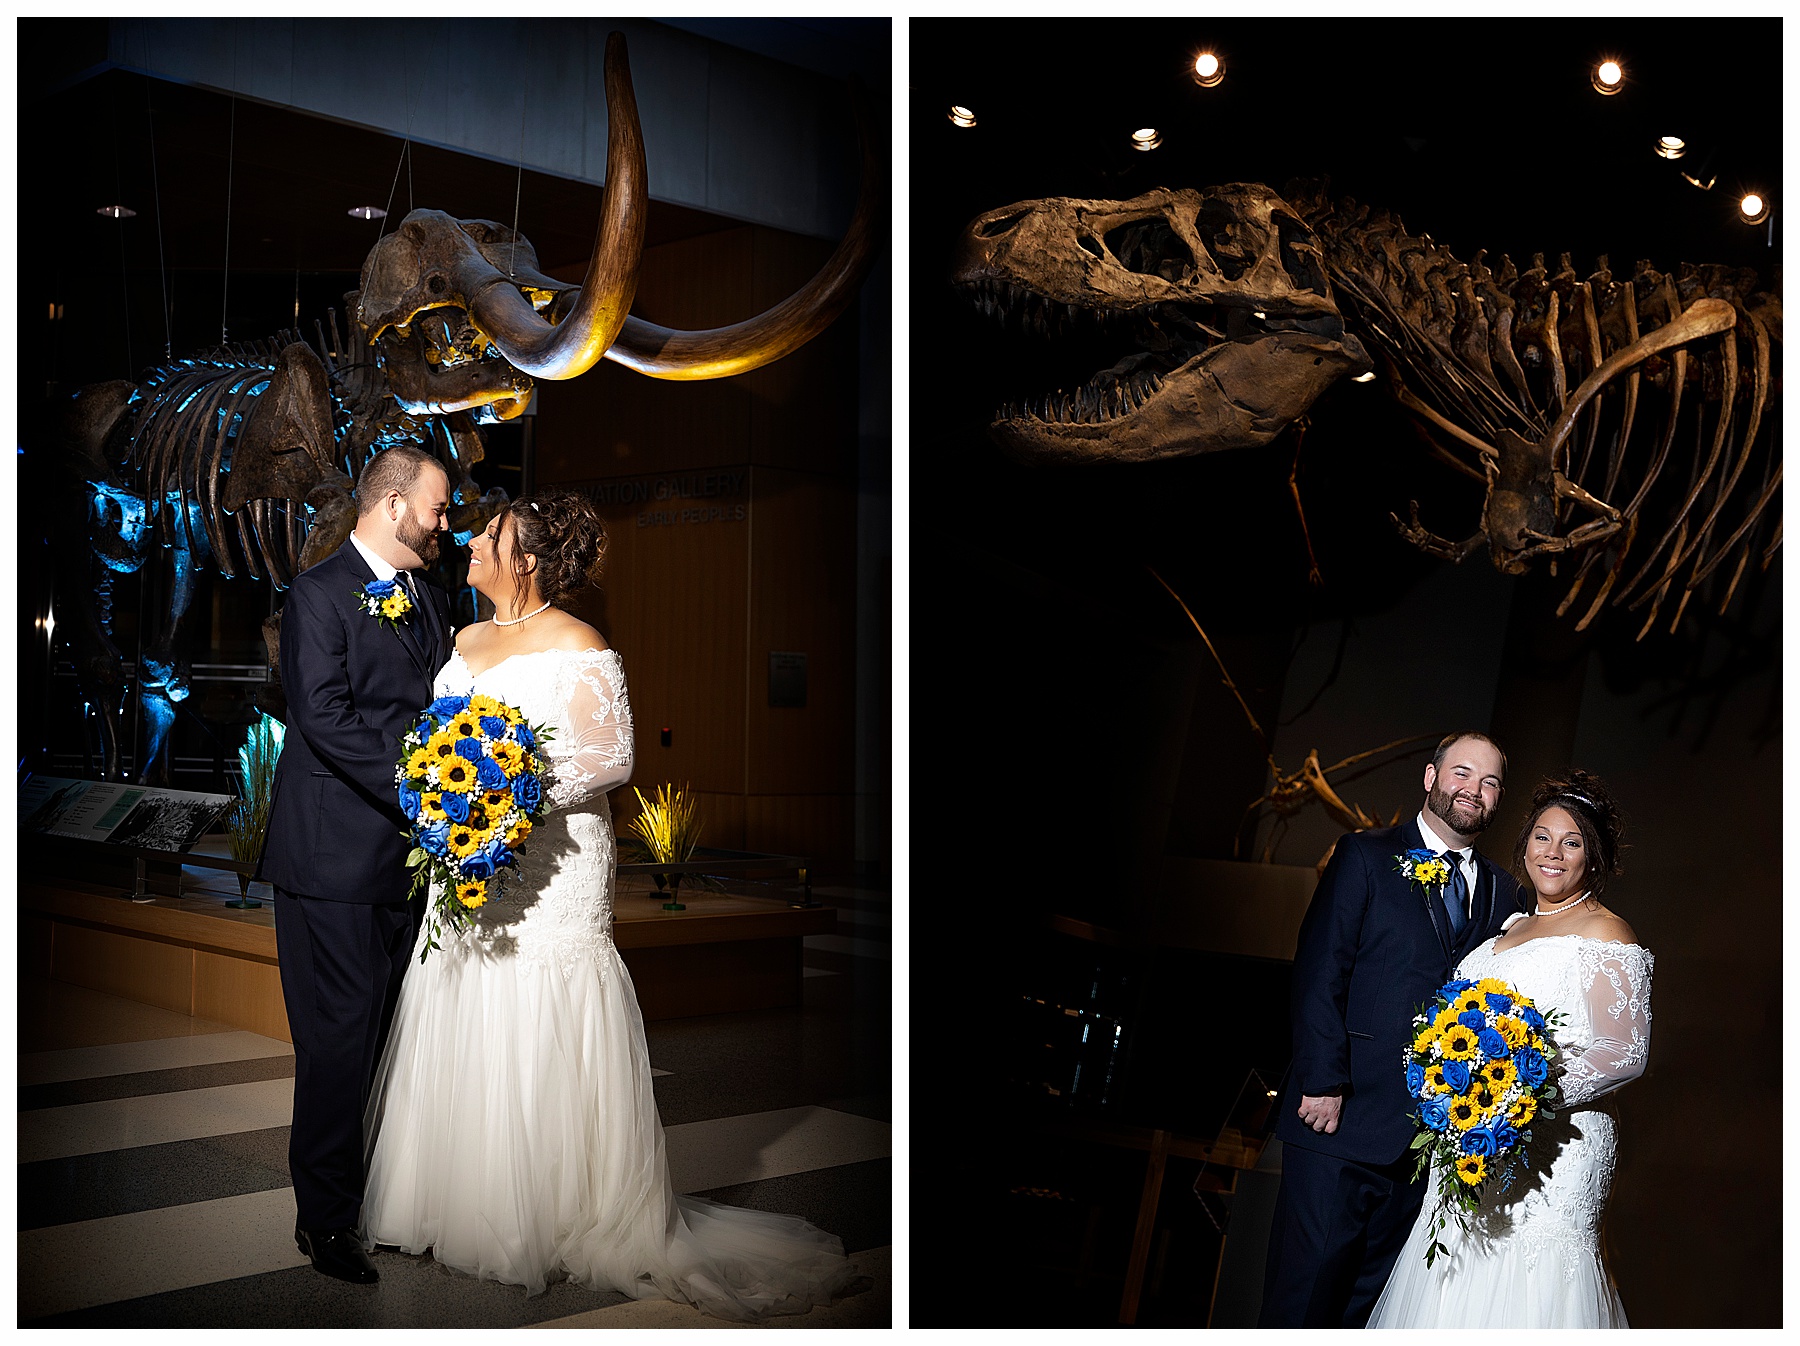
(446,706)
(1533,1020)
(522,732)
(497,853)
(469,749)
(1435,1113)
(1499,1003)
(1480,1140)
(1415,1078)
(527,791)
(490,773)
(435,837)
(1490,1041)
(493,726)
(1456,1075)
(1473,1020)
(1505,1134)
(477,866)
(409,800)
(380,588)
(457,806)
(1419,857)
(1533,1068)
(1455,988)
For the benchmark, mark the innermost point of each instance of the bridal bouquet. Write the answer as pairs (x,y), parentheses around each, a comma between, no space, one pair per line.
(1479,1066)
(472,783)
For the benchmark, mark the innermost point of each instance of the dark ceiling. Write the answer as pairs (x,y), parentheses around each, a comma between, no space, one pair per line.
(1483,133)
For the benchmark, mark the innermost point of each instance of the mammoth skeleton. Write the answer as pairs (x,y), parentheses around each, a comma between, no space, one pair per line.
(244,458)
(1228,312)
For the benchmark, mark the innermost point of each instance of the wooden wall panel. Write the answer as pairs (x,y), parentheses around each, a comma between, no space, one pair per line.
(240,992)
(137,969)
(803,599)
(36,939)
(816,825)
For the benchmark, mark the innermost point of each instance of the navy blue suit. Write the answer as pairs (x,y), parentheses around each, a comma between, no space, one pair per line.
(1373,947)
(336,853)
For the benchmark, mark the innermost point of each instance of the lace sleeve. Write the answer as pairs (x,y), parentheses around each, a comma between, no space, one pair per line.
(1617,982)
(595,754)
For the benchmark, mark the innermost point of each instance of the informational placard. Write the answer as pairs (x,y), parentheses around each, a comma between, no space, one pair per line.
(111,811)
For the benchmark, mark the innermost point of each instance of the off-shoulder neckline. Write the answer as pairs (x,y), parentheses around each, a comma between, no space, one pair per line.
(1539,939)
(525,654)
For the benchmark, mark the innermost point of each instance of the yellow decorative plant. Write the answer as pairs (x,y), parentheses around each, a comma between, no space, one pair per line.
(666,829)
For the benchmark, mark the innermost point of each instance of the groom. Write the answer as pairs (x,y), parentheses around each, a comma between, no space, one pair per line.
(335,849)
(1373,947)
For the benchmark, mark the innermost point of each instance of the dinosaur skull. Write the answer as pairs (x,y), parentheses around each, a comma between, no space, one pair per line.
(1213,306)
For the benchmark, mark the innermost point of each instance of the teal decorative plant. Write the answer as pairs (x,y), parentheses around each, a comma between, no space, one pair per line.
(248,819)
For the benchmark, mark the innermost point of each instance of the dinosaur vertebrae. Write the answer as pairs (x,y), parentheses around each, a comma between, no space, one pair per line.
(1530,369)
(184,422)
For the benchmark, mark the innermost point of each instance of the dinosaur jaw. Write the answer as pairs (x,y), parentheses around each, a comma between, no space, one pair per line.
(1193,377)
(1231,396)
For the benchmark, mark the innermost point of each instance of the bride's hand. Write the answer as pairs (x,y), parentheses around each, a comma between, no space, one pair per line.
(1321,1114)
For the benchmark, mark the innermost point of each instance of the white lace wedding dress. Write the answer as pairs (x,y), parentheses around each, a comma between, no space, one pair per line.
(1533,1258)
(512,1128)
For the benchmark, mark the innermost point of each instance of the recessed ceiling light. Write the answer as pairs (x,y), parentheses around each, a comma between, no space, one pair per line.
(116,212)
(961,116)
(1208,69)
(1671,147)
(1146,138)
(1609,76)
(1753,208)
(368,212)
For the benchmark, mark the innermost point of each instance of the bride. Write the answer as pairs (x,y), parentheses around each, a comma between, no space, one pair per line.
(1533,1257)
(512,1128)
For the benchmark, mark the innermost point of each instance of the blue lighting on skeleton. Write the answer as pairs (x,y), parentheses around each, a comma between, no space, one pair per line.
(461,538)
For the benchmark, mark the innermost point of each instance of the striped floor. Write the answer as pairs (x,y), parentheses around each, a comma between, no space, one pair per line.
(152,1160)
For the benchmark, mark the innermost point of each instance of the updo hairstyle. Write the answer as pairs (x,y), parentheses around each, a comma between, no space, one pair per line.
(1585,798)
(562,529)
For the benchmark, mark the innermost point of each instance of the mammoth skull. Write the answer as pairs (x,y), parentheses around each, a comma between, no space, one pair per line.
(1212,305)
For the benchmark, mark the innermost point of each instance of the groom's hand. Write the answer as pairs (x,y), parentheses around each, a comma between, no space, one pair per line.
(1321,1114)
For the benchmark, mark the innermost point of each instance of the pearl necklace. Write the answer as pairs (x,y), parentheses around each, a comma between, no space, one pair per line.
(514,621)
(1538,911)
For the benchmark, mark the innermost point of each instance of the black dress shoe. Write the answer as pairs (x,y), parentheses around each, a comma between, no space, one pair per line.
(338,1253)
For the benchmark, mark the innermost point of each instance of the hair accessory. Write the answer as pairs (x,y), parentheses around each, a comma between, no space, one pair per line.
(534,507)
(1579,798)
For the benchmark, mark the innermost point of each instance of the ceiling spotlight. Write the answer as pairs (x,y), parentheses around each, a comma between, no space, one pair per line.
(1754,208)
(1367,377)
(116,212)
(961,116)
(1208,70)
(367,212)
(1609,76)
(1146,138)
(1671,147)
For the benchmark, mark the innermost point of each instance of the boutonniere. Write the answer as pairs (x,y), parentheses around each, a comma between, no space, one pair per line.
(384,600)
(1423,867)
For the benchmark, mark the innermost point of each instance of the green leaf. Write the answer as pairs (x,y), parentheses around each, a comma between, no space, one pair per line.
(418,856)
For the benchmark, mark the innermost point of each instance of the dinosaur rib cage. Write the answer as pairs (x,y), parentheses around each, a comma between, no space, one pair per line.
(187,420)
(1486,354)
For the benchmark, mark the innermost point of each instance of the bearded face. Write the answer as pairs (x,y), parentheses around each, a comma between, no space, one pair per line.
(1461,807)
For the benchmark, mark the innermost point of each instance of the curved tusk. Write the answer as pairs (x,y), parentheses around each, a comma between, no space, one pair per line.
(575,345)
(665,353)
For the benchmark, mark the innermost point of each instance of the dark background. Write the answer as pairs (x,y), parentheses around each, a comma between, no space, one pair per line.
(1077,753)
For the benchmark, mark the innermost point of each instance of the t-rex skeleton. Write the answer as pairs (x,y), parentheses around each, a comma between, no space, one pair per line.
(1236,308)
(244,458)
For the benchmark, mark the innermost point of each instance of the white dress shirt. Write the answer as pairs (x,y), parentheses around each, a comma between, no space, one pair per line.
(383,571)
(1465,856)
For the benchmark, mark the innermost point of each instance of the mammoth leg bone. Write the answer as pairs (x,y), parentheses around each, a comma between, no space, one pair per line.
(1433,545)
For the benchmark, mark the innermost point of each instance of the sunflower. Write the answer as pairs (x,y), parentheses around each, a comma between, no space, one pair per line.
(496,802)
(1464,1114)
(419,763)
(463,842)
(1470,999)
(516,834)
(456,774)
(1483,1097)
(431,807)
(1471,1169)
(1500,1075)
(440,746)
(481,704)
(1494,986)
(463,725)
(509,756)
(1427,1035)
(1434,1076)
(393,606)
(1459,1043)
(1523,1111)
(1513,1030)
(471,892)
